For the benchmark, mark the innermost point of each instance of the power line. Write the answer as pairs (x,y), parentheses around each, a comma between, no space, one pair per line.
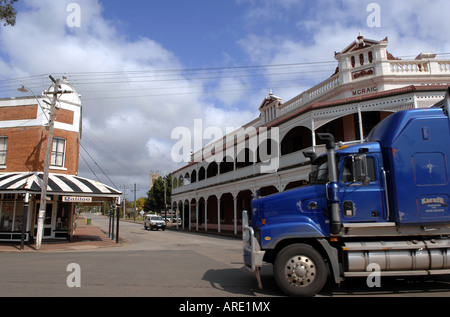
(181,93)
(159,75)
(166,71)
(103,74)
(191,70)
(92,171)
(153,80)
(98,166)
(187,75)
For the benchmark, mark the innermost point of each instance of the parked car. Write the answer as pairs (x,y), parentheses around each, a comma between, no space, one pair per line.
(154,221)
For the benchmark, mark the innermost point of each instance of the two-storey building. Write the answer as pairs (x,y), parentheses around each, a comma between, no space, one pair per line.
(24,131)
(266,155)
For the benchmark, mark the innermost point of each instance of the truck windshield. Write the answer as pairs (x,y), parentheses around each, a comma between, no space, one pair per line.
(319,174)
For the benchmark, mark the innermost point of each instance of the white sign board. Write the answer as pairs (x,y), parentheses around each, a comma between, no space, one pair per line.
(72,199)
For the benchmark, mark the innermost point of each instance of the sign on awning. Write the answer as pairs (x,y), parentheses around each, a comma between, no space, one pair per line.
(73,199)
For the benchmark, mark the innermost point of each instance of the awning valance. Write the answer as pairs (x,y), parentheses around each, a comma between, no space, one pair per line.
(58,184)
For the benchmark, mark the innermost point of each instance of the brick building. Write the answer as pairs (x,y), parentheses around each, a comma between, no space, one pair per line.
(23,145)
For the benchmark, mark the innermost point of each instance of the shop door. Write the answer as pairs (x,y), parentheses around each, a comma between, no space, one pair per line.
(48,221)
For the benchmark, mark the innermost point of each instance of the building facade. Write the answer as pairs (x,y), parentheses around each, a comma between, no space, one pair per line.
(24,135)
(266,155)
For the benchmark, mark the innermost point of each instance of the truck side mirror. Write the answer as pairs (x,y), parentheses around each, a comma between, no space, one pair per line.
(360,170)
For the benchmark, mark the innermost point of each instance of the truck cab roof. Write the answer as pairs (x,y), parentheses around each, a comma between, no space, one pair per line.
(388,130)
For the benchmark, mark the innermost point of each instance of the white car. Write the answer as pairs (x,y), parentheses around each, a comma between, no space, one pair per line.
(153,221)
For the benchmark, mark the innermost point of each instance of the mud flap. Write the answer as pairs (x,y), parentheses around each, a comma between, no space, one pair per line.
(258,278)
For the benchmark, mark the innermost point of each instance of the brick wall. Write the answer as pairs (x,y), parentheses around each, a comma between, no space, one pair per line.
(27,148)
(64,116)
(18,113)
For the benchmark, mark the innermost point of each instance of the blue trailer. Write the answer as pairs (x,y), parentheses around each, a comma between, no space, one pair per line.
(379,205)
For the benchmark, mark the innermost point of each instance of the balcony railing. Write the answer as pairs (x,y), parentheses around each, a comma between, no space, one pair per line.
(394,67)
(311,94)
(256,169)
(404,67)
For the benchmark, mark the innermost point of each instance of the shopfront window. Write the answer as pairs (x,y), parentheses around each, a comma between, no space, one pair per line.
(62,216)
(18,219)
(11,213)
(7,217)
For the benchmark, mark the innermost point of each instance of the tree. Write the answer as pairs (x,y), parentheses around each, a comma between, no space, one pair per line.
(7,12)
(155,196)
(140,202)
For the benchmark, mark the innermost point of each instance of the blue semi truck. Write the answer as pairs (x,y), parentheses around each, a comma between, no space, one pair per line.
(377,207)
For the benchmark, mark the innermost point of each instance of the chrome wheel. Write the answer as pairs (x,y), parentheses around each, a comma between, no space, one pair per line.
(300,271)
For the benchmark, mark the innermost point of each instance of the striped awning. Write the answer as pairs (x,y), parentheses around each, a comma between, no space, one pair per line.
(58,184)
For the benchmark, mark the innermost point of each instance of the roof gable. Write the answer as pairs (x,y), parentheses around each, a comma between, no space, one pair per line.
(360,43)
(269,100)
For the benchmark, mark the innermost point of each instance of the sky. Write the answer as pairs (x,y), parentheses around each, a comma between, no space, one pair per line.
(145,68)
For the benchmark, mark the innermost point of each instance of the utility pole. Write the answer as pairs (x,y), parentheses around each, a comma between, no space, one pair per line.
(135,201)
(51,124)
(124,187)
(165,197)
(135,207)
(124,207)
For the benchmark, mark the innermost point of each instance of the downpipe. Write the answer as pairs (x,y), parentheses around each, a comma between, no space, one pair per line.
(332,186)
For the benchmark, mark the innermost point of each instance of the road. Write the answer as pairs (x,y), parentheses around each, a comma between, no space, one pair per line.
(149,263)
(170,264)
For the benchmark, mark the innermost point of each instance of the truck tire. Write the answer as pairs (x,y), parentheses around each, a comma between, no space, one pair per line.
(300,270)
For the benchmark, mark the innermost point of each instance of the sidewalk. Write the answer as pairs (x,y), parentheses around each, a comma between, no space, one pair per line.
(85,237)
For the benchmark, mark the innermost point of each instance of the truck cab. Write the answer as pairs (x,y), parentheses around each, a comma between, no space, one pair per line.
(360,182)
(382,203)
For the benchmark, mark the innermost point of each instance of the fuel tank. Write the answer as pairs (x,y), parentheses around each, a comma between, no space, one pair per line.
(410,256)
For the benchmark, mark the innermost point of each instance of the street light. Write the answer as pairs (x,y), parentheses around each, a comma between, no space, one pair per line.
(26,89)
(22,89)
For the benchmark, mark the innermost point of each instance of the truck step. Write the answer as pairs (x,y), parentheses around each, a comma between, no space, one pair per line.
(398,273)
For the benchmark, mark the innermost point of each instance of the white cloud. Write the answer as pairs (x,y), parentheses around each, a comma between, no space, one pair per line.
(129,116)
(225,118)
(326,27)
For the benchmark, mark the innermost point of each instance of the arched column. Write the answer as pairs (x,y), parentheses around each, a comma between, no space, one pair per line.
(196,215)
(218,213)
(206,215)
(235,212)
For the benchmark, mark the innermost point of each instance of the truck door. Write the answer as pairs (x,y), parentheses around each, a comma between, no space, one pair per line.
(361,199)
